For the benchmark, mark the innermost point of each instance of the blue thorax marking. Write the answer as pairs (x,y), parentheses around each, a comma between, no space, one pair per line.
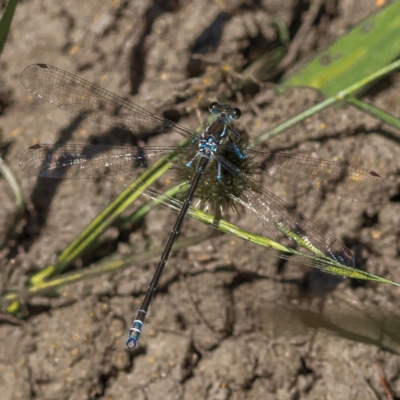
(216,132)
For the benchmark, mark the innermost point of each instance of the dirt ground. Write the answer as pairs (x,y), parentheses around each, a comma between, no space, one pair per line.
(228,320)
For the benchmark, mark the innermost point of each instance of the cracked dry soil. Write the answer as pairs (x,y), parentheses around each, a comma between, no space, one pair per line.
(222,325)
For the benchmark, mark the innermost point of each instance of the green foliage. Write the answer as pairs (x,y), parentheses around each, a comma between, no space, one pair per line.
(5,22)
(367,48)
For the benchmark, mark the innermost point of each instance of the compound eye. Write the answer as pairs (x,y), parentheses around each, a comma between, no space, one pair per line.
(237,113)
(213,106)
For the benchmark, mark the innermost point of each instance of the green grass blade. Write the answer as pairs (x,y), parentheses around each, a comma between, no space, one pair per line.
(375,112)
(7,173)
(12,301)
(104,220)
(368,47)
(338,97)
(5,22)
(316,260)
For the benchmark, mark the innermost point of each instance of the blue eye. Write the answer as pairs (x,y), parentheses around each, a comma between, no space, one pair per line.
(213,107)
(236,113)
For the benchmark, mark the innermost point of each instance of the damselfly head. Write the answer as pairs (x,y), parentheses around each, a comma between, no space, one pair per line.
(227,109)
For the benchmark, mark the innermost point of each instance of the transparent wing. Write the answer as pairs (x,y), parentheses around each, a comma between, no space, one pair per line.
(292,229)
(77,161)
(83,98)
(326,177)
(80,97)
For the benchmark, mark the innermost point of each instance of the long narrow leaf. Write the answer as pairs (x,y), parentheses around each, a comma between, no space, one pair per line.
(5,22)
(367,48)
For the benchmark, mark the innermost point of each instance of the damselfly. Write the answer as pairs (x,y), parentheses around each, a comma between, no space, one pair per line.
(236,170)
